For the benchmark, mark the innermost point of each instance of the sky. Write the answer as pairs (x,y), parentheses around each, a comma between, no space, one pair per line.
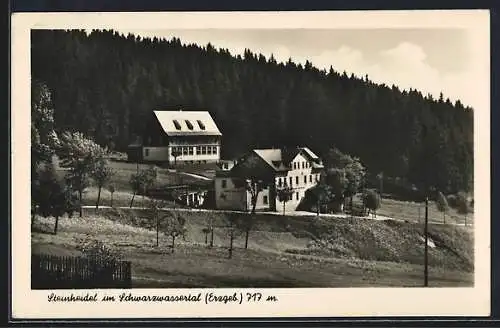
(432,60)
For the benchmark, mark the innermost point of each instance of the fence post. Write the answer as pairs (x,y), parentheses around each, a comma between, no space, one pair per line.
(128,277)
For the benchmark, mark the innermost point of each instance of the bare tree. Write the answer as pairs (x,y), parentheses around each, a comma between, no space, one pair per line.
(111,189)
(136,182)
(155,207)
(232,229)
(209,229)
(174,227)
(442,205)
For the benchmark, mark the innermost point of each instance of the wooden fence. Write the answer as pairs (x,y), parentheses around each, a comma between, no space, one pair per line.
(58,272)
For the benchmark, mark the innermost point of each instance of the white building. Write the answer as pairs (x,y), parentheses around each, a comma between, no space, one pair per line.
(298,168)
(178,137)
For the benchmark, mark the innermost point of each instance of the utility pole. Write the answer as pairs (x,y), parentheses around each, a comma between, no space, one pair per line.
(426,269)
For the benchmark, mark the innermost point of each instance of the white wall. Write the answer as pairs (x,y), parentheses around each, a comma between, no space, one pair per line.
(238,198)
(230,197)
(259,205)
(299,188)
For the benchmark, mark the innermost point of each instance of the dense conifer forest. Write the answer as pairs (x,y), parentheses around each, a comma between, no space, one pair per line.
(104,85)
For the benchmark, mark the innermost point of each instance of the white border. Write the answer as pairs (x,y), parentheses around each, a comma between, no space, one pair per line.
(293,302)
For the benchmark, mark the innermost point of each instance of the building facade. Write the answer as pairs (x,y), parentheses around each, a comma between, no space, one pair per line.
(297,168)
(178,137)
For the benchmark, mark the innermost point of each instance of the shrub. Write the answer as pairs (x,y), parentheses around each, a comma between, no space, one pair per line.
(371,200)
(97,250)
(452,200)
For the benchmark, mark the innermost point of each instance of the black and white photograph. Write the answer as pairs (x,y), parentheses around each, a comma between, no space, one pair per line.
(256,156)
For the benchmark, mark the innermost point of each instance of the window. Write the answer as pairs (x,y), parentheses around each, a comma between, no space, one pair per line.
(297,180)
(203,150)
(294,165)
(198,150)
(147,152)
(214,150)
(185,150)
(303,165)
(305,179)
(177,124)
(297,195)
(189,125)
(191,150)
(225,166)
(291,182)
(201,125)
(209,150)
(265,200)
(224,184)
(279,182)
(311,178)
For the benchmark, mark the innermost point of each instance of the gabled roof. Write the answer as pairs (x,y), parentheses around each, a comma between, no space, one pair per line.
(182,123)
(273,157)
(279,159)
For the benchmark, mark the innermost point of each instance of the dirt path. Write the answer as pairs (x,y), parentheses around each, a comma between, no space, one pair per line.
(201,177)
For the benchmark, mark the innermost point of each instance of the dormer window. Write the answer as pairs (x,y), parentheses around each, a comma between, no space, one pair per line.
(189,125)
(177,124)
(201,125)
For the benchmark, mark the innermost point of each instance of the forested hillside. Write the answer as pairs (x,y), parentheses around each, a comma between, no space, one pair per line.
(104,84)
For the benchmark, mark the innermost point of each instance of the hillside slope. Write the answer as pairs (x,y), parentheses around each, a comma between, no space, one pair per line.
(450,247)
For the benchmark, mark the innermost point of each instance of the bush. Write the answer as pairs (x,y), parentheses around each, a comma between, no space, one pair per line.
(452,201)
(97,250)
(372,200)
(462,204)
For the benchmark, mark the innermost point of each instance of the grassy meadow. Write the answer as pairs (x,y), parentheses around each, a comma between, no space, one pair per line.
(284,251)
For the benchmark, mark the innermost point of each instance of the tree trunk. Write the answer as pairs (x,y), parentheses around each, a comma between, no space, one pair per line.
(111,199)
(80,204)
(444,217)
(351,206)
(206,238)
(98,197)
(157,232)
(56,225)
(246,238)
(254,204)
(211,237)
(132,200)
(317,208)
(284,207)
(173,243)
(231,245)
